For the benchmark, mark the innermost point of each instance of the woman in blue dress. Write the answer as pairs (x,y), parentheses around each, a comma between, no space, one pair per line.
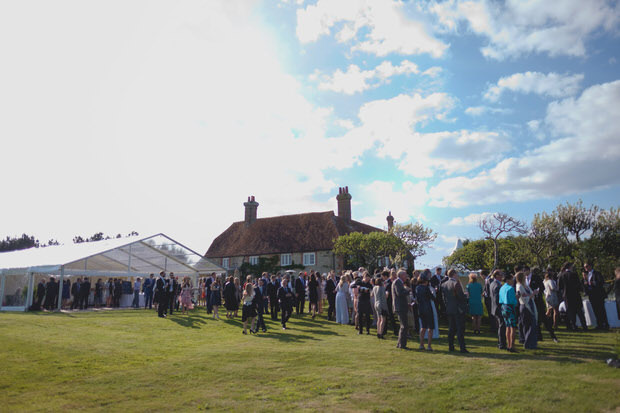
(342,306)
(474,288)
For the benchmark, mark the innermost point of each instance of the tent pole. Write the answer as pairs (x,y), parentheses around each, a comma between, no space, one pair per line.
(30,288)
(60,281)
(2,277)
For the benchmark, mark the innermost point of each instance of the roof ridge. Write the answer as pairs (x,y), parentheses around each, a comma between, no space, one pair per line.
(290,215)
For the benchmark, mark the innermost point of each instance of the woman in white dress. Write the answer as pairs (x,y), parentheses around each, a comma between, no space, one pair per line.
(321,279)
(552,298)
(342,306)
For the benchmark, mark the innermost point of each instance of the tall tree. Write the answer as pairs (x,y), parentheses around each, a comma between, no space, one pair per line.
(576,221)
(497,225)
(415,239)
(545,237)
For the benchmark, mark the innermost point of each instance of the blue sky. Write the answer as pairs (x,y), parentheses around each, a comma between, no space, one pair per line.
(160,116)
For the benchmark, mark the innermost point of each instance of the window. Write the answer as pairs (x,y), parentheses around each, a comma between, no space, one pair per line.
(285,259)
(226,262)
(254,260)
(309,258)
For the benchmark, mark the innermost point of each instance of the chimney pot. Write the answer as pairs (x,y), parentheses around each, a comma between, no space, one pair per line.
(250,210)
(344,203)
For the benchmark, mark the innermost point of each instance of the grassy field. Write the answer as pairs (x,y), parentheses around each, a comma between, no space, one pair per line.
(130,360)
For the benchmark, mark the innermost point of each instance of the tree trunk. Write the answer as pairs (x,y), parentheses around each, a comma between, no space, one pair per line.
(495,253)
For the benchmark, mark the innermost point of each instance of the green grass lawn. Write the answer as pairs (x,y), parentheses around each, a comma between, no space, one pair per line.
(133,361)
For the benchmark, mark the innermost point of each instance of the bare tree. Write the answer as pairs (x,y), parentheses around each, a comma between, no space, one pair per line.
(497,224)
(415,238)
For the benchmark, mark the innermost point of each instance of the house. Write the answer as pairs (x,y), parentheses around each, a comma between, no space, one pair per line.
(305,239)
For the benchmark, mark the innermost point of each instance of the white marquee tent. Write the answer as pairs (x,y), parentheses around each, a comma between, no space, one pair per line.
(124,257)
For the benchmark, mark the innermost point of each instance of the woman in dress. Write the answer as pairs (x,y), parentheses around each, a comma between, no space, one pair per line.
(186,295)
(552,298)
(527,312)
(248,312)
(424,297)
(313,294)
(216,297)
(321,281)
(354,320)
(342,306)
(474,289)
(230,298)
(66,292)
(508,301)
(378,293)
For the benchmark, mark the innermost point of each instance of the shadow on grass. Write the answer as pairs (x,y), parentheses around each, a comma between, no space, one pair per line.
(286,337)
(189,320)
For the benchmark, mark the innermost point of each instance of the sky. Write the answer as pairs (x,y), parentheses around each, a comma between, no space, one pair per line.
(164,116)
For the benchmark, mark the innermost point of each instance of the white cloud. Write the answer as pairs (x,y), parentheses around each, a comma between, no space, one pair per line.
(481,110)
(356,80)
(405,203)
(388,28)
(388,127)
(584,155)
(518,27)
(471,219)
(156,126)
(553,85)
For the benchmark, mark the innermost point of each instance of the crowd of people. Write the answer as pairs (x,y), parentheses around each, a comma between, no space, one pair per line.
(519,303)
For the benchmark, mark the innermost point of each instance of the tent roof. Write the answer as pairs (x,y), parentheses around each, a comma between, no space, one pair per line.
(125,255)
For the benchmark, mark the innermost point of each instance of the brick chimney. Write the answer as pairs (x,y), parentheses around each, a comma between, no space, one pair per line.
(344,203)
(250,210)
(390,221)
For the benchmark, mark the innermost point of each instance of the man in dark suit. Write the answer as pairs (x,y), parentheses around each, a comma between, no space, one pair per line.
(75,292)
(594,286)
(171,291)
(401,306)
(50,301)
(570,288)
(272,293)
(330,292)
(260,295)
(160,295)
(435,282)
(84,293)
(300,293)
(456,307)
(40,294)
(495,284)
(208,283)
(486,294)
(285,296)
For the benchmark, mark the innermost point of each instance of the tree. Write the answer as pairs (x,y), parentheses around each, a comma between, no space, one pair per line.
(15,243)
(366,249)
(475,255)
(497,224)
(576,220)
(415,240)
(545,237)
(98,236)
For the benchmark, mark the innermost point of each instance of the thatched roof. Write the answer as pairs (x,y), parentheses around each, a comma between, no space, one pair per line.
(315,231)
